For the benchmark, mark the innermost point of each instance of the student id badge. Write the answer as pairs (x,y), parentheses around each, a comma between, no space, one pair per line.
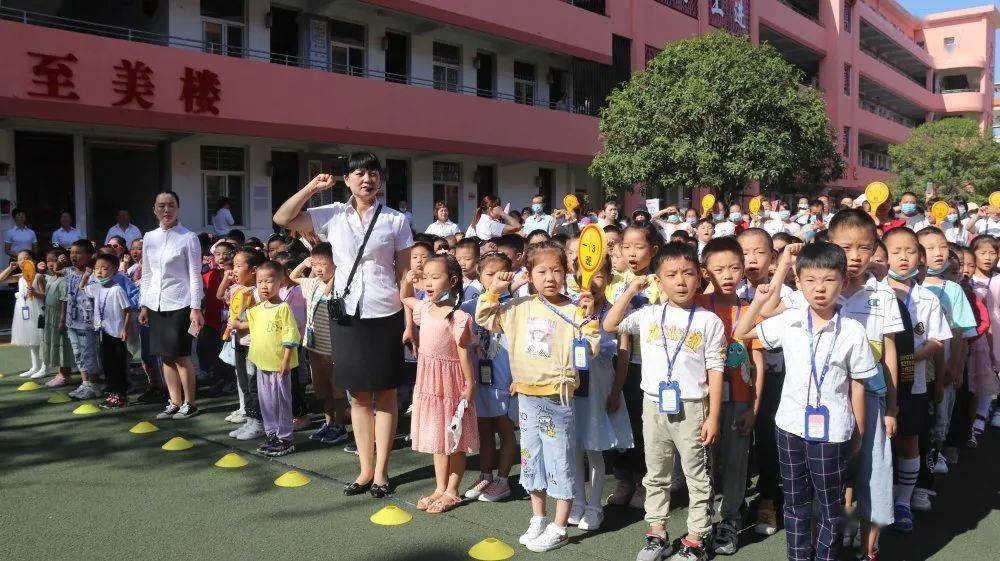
(670,397)
(310,338)
(583,390)
(486,372)
(817,424)
(581,354)
(25,312)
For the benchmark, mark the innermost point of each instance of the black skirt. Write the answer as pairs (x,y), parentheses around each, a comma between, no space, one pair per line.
(367,353)
(168,333)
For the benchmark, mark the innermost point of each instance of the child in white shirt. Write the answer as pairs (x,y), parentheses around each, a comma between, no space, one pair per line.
(111,315)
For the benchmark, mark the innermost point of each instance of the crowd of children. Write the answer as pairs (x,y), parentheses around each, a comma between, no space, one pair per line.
(843,361)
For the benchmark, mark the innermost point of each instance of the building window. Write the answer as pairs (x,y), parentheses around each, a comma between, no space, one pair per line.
(222,27)
(847,142)
(222,176)
(447,185)
(347,48)
(447,67)
(848,16)
(847,79)
(524,83)
(949,44)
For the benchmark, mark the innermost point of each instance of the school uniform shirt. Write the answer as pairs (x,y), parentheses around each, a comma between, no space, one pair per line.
(649,295)
(374,291)
(223,222)
(64,238)
(956,308)
(79,305)
(20,239)
(130,233)
(851,359)
(774,361)
(954,233)
(110,303)
(171,270)
(874,307)
(723,229)
(537,222)
(703,347)
(989,226)
(487,228)
(929,322)
(272,330)
(443,230)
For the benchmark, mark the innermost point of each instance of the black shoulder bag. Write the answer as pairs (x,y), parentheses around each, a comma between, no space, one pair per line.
(336,306)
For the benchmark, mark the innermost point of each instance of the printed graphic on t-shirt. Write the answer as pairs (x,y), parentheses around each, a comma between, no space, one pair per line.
(655,334)
(540,331)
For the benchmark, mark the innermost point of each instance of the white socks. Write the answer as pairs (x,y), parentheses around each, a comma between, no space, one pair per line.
(908,469)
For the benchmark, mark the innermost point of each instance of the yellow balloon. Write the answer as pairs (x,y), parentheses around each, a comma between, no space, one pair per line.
(754,206)
(877,193)
(707,202)
(939,211)
(591,254)
(995,198)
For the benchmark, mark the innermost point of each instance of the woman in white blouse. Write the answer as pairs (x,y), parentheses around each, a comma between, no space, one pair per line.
(441,227)
(67,233)
(171,290)
(491,221)
(367,342)
(223,220)
(20,237)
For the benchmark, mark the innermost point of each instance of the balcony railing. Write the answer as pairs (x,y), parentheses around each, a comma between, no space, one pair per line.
(140,36)
(802,11)
(889,64)
(874,160)
(960,90)
(886,113)
(918,44)
(596,6)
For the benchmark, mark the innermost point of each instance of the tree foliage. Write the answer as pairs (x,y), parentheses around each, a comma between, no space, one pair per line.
(950,154)
(716,111)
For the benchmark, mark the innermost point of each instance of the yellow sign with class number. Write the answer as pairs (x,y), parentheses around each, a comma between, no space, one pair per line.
(754,206)
(995,198)
(707,202)
(591,255)
(939,211)
(28,271)
(571,203)
(876,193)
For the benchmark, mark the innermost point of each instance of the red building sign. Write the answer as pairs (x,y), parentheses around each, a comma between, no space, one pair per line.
(54,76)
(731,15)
(134,83)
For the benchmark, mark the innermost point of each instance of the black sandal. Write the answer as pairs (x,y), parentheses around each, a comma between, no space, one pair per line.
(380,491)
(357,488)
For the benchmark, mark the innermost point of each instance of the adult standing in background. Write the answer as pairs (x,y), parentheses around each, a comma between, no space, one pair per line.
(20,237)
(538,220)
(123,227)
(67,232)
(171,291)
(491,221)
(442,226)
(367,322)
(223,220)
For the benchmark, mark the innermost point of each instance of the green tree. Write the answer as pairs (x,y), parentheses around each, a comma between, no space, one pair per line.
(716,111)
(949,154)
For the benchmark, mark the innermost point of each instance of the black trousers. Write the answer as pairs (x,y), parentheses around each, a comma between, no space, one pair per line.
(630,465)
(765,445)
(247,384)
(114,360)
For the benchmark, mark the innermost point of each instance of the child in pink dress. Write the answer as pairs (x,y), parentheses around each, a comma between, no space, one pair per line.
(444,379)
(984,354)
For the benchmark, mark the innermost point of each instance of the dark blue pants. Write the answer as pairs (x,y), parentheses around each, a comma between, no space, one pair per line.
(812,471)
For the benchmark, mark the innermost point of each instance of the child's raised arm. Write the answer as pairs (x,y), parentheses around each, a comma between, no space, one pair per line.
(617,312)
(85,278)
(489,312)
(296,273)
(406,290)
(6,273)
(227,279)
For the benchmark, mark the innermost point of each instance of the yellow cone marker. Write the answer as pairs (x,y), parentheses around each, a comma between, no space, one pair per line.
(87,409)
(176,444)
(291,479)
(28,386)
(58,397)
(491,549)
(143,427)
(231,460)
(1,375)
(391,515)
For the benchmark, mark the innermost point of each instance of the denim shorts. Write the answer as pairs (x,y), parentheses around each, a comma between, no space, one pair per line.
(84,343)
(547,442)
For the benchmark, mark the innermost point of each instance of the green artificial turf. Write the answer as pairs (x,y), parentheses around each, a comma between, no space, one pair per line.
(79,488)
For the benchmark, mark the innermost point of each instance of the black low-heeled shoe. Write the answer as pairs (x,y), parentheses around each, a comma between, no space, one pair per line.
(380,491)
(357,488)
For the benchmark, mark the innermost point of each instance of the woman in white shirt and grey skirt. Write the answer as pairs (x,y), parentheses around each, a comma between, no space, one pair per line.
(366,341)
(171,291)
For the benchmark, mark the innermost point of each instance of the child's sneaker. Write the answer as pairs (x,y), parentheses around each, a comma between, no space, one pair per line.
(59,381)
(336,434)
(767,518)
(280,448)
(940,465)
(185,411)
(995,420)
(251,430)
(622,493)
(592,519)
(921,500)
(575,513)
(40,373)
(75,394)
(726,539)
(90,391)
(553,537)
(497,491)
(972,442)
(351,448)
(113,401)
(657,548)
(691,551)
(478,487)
(904,519)
(267,445)
(169,411)
(231,418)
(638,500)
(535,529)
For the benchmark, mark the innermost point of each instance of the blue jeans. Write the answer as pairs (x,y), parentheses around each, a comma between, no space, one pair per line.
(547,446)
(85,348)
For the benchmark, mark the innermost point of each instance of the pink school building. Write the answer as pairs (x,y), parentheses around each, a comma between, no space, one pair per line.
(103,104)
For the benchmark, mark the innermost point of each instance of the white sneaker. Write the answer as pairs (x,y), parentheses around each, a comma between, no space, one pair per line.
(940,466)
(252,430)
(995,421)
(168,411)
(90,391)
(76,393)
(920,501)
(575,513)
(638,500)
(476,490)
(239,417)
(622,493)
(42,372)
(553,537)
(497,491)
(535,529)
(27,373)
(592,519)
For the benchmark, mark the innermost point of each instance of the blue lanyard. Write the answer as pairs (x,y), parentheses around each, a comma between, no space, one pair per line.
(680,342)
(577,327)
(909,295)
(812,359)
(104,303)
(736,320)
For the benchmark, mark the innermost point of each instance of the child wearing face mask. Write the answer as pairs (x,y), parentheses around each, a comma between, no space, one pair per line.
(733,223)
(111,314)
